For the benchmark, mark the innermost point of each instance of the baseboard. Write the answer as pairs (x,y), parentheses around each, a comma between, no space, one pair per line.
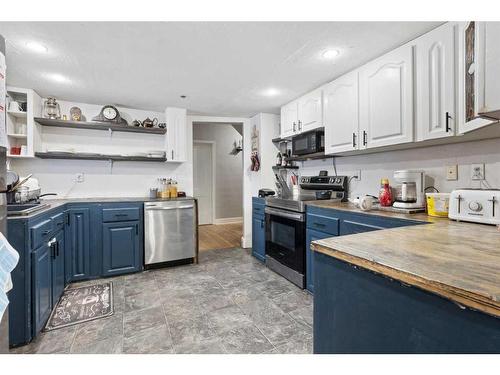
(229,220)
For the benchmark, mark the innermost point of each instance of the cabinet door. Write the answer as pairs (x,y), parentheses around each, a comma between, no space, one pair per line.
(259,238)
(310,111)
(176,137)
(471,78)
(312,235)
(42,285)
(341,114)
(78,244)
(435,56)
(386,99)
(120,247)
(58,274)
(289,120)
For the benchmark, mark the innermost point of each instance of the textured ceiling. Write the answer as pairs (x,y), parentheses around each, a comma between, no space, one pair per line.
(222,67)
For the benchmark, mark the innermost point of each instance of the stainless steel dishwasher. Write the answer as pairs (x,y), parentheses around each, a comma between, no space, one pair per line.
(169,231)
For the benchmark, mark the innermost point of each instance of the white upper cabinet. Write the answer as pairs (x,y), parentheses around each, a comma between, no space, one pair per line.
(341,115)
(310,114)
(386,99)
(289,119)
(476,56)
(176,137)
(435,71)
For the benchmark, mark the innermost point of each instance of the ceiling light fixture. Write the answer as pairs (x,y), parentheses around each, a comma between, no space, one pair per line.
(58,77)
(330,54)
(37,47)
(271,92)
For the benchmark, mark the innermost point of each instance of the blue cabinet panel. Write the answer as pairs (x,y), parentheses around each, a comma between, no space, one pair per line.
(40,233)
(121,248)
(42,282)
(323,224)
(120,214)
(58,266)
(312,235)
(259,238)
(78,244)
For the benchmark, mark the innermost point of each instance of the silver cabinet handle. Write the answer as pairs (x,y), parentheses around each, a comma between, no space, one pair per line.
(287,215)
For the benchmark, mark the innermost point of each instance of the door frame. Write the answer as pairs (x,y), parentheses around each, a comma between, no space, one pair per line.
(213,148)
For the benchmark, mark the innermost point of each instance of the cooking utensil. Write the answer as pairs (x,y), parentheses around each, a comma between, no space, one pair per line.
(11,179)
(16,186)
(323,194)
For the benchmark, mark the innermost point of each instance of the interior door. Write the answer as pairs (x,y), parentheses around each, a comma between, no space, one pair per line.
(203,181)
(386,99)
(436,83)
(341,114)
(310,111)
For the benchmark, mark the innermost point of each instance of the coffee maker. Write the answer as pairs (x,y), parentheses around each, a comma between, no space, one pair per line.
(410,192)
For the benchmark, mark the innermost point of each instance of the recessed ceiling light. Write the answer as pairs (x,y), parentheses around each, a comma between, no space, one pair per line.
(37,47)
(330,54)
(58,78)
(271,92)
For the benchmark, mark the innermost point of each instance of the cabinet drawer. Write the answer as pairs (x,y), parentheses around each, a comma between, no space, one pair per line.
(324,224)
(58,221)
(40,233)
(120,214)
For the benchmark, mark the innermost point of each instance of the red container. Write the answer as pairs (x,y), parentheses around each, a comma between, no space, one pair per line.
(385,194)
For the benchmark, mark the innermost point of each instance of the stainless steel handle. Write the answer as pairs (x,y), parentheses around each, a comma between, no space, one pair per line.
(294,126)
(51,242)
(300,125)
(172,154)
(285,214)
(168,208)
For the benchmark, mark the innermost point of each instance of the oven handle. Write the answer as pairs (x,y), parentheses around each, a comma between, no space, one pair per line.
(285,214)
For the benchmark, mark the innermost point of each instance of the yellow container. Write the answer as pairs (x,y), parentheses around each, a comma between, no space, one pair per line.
(437,204)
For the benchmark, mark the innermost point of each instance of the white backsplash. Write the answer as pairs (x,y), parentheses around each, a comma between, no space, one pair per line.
(433,160)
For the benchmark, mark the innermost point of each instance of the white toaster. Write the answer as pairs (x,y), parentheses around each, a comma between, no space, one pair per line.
(476,205)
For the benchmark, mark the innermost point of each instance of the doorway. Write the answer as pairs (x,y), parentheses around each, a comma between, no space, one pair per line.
(204,180)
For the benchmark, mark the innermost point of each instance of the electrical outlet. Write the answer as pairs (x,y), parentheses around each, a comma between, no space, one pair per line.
(79,177)
(358,173)
(452,172)
(477,172)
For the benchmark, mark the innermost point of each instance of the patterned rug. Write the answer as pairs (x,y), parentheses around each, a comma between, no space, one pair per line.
(82,304)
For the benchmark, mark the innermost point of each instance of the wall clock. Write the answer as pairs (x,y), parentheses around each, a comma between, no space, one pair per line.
(109,113)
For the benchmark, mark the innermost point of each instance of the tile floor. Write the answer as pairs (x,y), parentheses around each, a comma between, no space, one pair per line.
(229,303)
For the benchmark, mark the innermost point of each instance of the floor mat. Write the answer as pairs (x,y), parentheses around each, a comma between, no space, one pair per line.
(78,305)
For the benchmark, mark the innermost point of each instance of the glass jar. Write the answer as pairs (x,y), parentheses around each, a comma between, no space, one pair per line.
(173,189)
(385,193)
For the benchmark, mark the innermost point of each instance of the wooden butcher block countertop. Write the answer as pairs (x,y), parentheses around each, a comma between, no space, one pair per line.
(456,260)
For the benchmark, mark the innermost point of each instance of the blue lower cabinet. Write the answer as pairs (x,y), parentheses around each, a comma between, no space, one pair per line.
(259,238)
(58,267)
(42,285)
(78,242)
(121,248)
(312,235)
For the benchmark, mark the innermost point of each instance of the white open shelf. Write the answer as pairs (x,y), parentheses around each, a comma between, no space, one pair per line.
(18,114)
(18,136)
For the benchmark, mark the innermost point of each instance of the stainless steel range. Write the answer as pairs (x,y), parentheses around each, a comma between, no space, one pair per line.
(286,224)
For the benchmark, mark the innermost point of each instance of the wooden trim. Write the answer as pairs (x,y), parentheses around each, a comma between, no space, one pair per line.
(460,296)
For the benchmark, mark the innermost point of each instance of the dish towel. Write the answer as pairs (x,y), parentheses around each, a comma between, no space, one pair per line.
(8,261)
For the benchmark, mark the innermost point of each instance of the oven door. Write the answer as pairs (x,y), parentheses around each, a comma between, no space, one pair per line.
(285,238)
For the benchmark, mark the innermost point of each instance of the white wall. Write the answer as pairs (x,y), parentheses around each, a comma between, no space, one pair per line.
(124,179)
(229,168)
(268,127)
(431,159)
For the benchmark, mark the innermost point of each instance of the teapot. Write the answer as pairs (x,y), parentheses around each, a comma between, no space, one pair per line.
(136,123)
(148,123)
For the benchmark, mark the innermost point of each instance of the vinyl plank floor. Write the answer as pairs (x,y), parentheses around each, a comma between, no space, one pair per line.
(222,236)
(228,303)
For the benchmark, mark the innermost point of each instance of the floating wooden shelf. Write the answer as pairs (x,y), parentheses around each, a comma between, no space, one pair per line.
(316,156)
(285,167)
(76,156)
(18,136)
(97,126)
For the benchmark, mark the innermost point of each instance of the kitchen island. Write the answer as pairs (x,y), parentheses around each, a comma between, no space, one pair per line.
(432,288)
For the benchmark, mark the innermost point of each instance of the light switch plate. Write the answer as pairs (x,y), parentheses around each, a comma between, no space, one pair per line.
(452,172)
(477,172)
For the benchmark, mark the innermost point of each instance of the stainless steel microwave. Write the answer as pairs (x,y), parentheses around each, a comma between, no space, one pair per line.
(308,143)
